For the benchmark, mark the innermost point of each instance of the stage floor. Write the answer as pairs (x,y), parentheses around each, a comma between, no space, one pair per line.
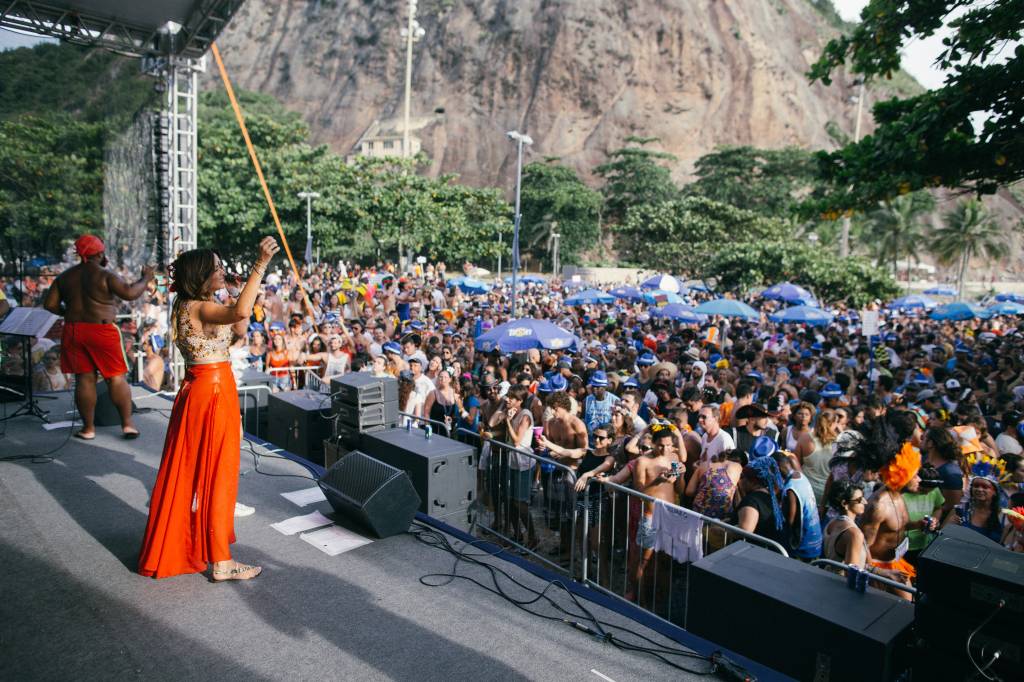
(73,607)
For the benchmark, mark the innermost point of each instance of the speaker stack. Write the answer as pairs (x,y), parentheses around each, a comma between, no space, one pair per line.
(299,422)
(969,588)
(361,404)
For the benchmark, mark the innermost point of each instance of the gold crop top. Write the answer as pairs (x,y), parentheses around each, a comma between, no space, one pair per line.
(200,347)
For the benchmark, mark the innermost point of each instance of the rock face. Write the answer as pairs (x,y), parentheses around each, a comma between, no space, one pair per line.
(579,76)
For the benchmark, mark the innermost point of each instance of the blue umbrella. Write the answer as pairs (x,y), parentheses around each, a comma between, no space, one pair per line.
(913,301)
(660,297)
(941,291)
(588,297)
(698,286)
(524,334)
(959,310)
(663,282)
(473,287)
(574,284)
(680,313)
(802,314)
(628,293)
(789,293)
(728,307)
(1005,308)
(1013,298)
(526,279)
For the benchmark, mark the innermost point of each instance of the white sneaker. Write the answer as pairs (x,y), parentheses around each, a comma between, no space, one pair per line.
(243,510)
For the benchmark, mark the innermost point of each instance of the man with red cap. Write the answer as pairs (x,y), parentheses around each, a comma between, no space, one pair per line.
(91,342)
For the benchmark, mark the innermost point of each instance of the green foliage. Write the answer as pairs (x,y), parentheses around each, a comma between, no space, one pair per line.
(968,231)
(680,235)
(367,209)
(768,181)
(51,183)
(740,266)
(554,199)
(93,85)
(633,178)
(928,140)
(895,229)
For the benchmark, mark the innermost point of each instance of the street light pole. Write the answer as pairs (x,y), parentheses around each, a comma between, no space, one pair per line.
(520,139)
(411,33)
(309,196)
(844,241)
(555,236)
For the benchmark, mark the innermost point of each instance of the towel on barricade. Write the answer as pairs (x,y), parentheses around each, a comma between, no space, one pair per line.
(677,532)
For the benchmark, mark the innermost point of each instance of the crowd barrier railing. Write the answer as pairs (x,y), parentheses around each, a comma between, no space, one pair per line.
(436,426)
(865,578)
(615,562)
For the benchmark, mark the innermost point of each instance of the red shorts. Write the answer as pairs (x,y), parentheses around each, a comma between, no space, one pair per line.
(89,347)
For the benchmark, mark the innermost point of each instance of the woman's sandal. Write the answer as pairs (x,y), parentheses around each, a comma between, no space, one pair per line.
(239,572)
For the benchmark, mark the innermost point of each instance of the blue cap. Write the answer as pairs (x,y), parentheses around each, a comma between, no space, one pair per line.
(891,337)
(715,357)
(332,317)
(417,325)
(448,331)
(763,446)
(815,346)
(277,326)
(831,391)
(558,383)
(806,354)
(565,362)
(754,374)
(256,327)
(392,347)
(598,378)
(631,382)
(921,379)
(544,386)
(646,359)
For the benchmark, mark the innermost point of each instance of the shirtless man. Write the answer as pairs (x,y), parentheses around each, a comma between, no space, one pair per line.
(91,342)
(654,476)
(565,438)
(886,520)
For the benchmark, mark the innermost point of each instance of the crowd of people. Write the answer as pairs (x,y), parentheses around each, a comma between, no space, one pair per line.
(827,442)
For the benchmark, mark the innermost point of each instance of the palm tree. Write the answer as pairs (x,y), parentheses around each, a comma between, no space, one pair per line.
(968,231)
(896,228)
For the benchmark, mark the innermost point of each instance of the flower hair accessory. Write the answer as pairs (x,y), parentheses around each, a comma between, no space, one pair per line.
(989,468)
(1015,516)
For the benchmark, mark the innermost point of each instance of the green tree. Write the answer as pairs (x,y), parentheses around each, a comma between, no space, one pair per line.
(633,177)
(896,228)
(744,265)
(968,231)
(554,199)
(768,181)
(928,140)
(679,235)
(51,183)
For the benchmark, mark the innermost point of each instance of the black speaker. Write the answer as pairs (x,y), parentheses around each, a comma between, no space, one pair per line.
(800,620)
(298,421)
(363,388)
(442,470)
(966,581)
(106,411)
(375,495)
(364,418)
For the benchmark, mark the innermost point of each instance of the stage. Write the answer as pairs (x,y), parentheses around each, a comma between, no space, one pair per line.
(73,607)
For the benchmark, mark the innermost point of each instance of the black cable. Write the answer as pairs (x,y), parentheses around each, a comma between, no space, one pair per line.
(434,538)
(256,463)
(45,457)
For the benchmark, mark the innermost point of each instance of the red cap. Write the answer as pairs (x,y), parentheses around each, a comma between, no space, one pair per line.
(88,245)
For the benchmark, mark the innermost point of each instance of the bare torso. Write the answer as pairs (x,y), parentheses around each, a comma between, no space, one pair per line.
(890,511)
(85,294)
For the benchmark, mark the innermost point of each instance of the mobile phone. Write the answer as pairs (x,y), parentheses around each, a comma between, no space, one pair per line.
(675,468)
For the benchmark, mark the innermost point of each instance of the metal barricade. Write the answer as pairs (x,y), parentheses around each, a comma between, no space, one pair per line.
(868,577)
(618,555)
(441,427)
(245,393)
(528,505)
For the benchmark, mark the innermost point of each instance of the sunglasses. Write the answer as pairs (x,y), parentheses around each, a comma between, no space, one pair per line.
(598,436)
(857,500)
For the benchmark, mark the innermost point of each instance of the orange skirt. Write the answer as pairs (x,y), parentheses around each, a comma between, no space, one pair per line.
(192,510)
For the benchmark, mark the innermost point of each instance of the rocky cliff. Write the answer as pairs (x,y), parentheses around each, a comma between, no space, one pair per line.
(578,75)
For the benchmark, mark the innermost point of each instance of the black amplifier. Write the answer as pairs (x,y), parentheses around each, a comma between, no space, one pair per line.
(362,388)
(800,620)
(299,422)
(442,470)
(365,417)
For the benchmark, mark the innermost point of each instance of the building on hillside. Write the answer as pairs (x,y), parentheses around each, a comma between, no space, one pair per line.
(383,138)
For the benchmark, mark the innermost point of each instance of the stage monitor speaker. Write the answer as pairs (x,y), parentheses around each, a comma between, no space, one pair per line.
(106,411)
(296,423)
(800,620)
(363,388)
(345,440)
(442,470)
(375,495)
(364,418)
(962,578)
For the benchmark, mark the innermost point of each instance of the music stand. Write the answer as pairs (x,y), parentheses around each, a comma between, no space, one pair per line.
(29,324)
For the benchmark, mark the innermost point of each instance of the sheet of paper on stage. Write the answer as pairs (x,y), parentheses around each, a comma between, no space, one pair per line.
(57,425)
(334,540)
(305,496)
(297,524)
